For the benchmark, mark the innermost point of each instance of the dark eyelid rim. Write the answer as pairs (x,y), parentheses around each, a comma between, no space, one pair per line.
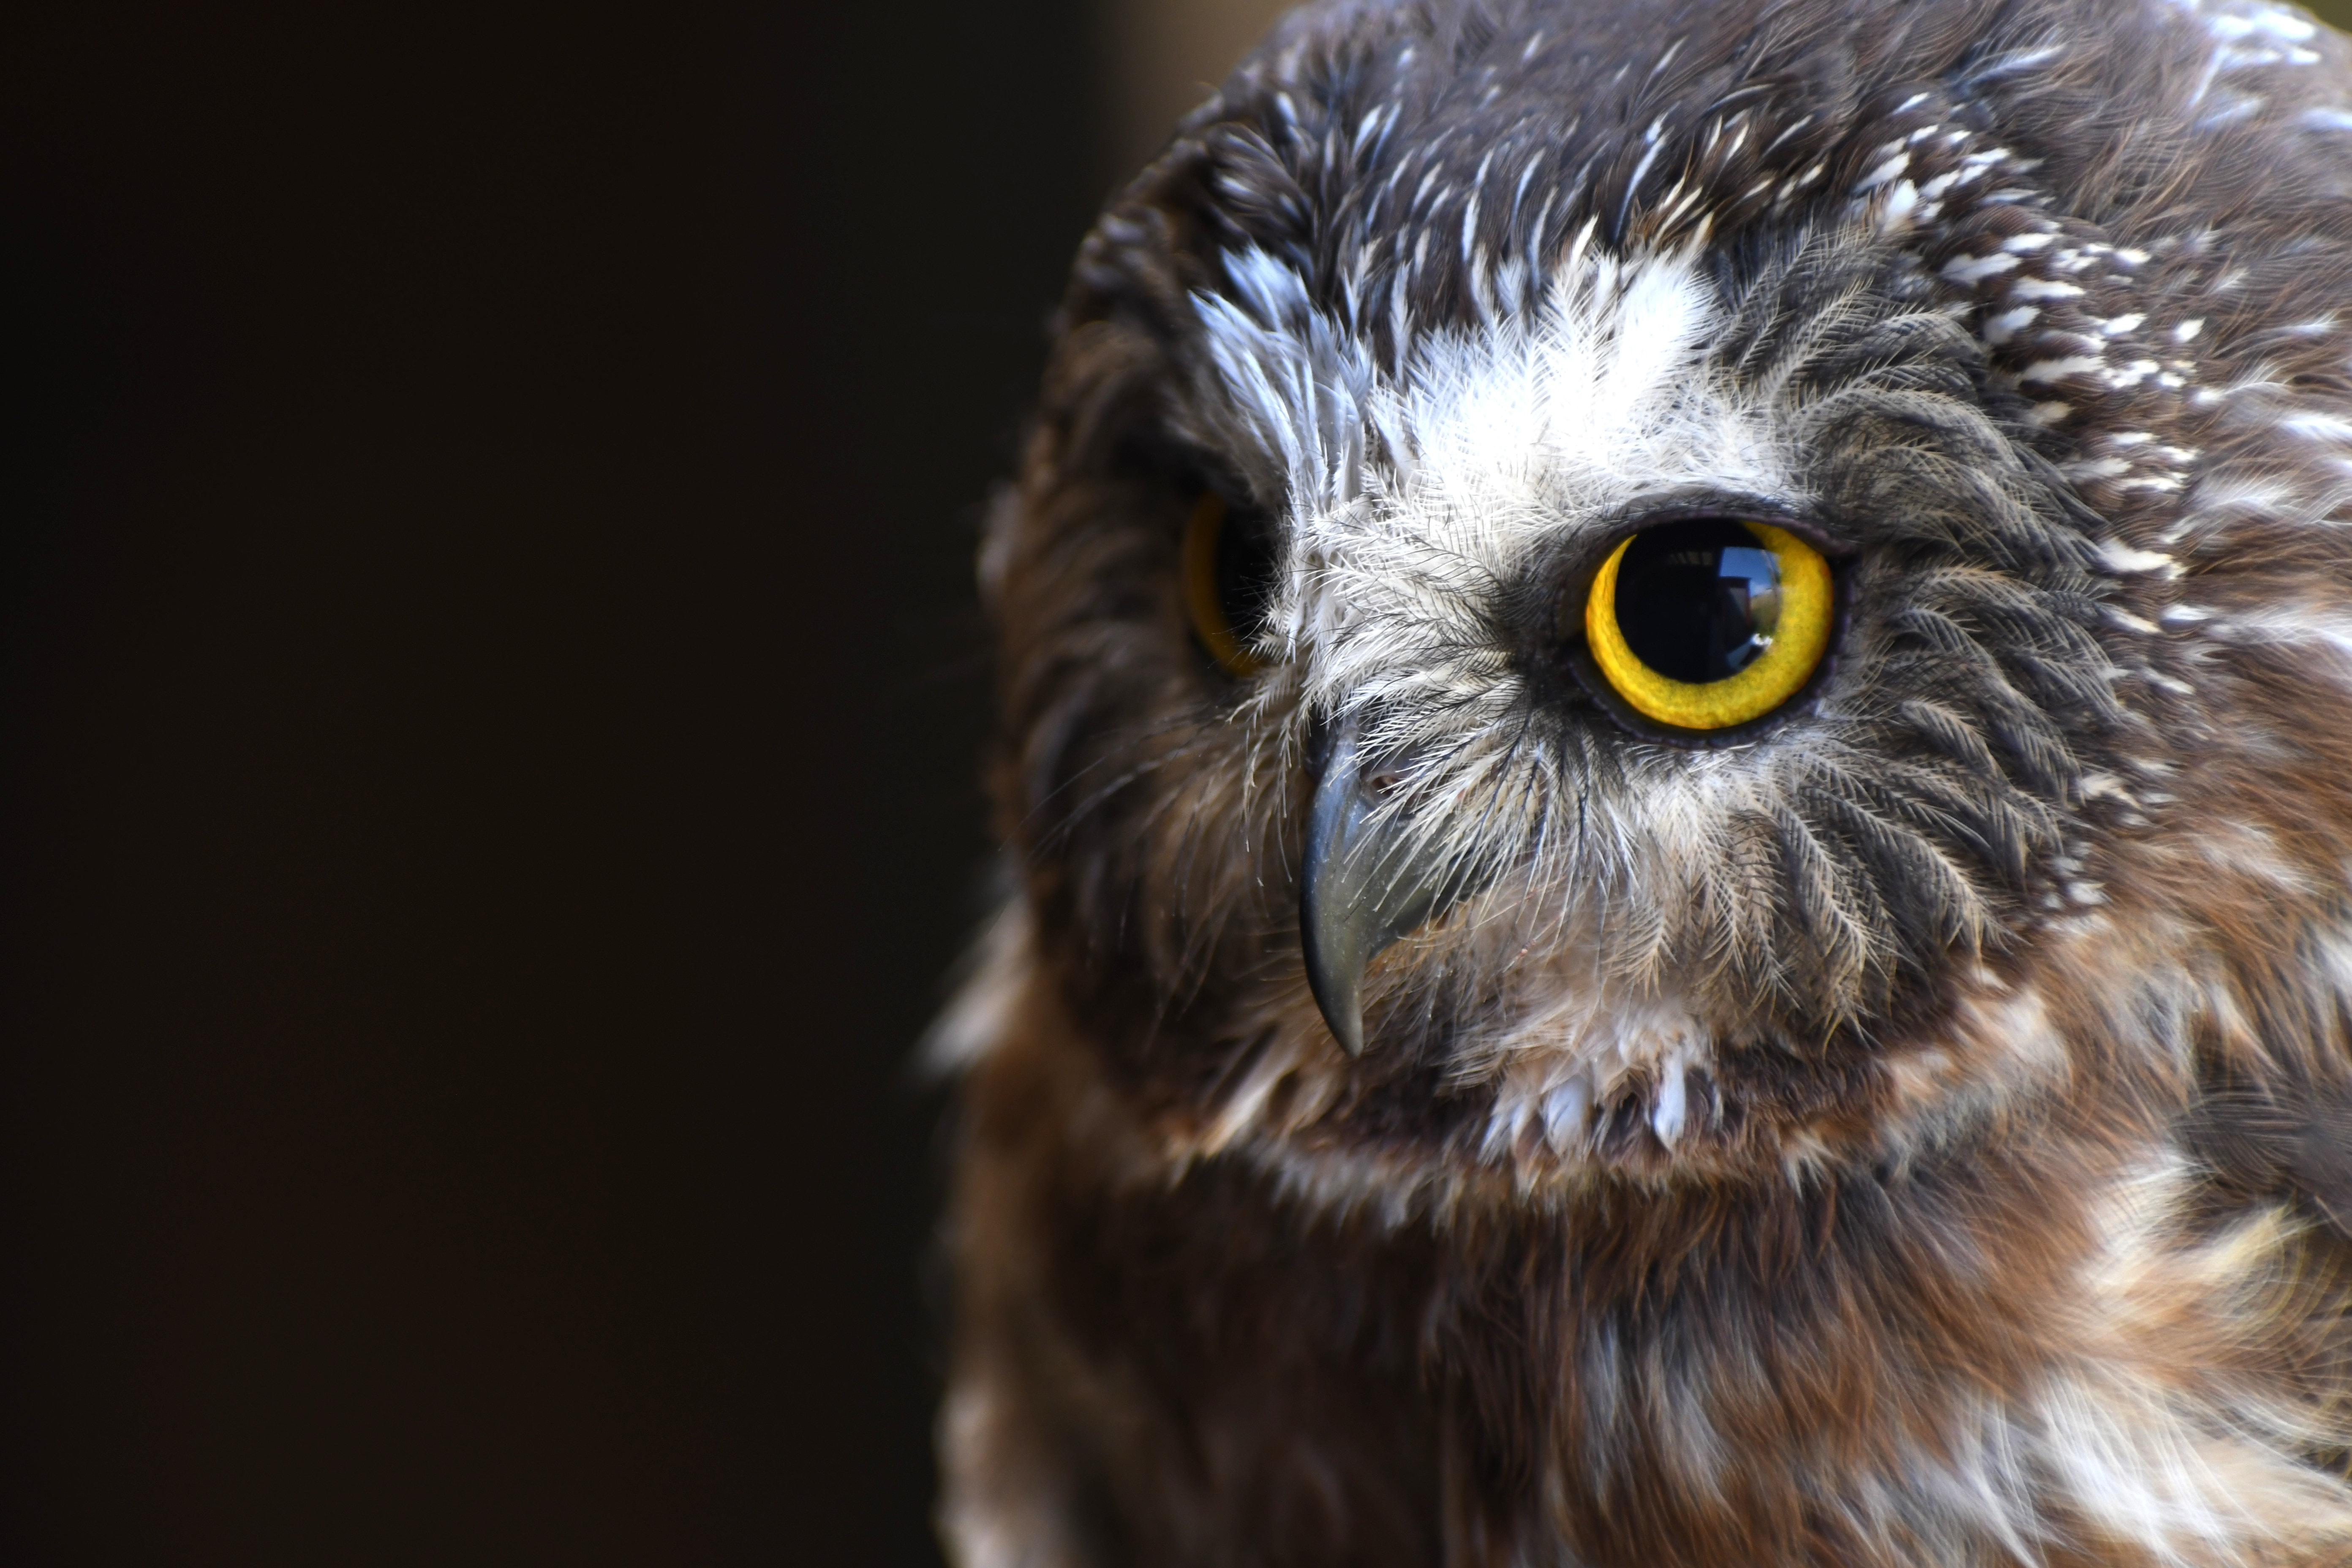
(1198,471)
(1684,506)
(1551,578)
(1154,456)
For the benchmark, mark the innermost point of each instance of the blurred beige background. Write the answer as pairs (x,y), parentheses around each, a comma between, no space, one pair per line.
(1166,54)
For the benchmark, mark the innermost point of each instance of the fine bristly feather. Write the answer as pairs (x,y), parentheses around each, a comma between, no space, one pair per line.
(1909,1130)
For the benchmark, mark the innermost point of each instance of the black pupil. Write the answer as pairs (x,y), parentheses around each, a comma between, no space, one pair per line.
(1697,601)
(1245,568)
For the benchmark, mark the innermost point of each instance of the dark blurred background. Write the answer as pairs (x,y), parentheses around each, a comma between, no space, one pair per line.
(489,693)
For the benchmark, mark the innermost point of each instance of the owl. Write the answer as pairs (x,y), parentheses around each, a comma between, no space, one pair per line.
(1675,735)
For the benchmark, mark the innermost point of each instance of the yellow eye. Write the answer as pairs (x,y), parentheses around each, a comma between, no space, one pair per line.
(1710,623)
(1228,580)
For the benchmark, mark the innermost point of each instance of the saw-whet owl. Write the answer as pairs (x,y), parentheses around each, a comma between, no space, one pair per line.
(1675,734)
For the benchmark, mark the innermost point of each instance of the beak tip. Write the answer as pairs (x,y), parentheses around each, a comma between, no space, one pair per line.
(1346,1025)
(1336,987)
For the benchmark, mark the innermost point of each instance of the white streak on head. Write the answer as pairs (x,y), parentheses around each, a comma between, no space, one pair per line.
(2043,288)
(2060,368)
(1999,329)
(1974,269)
(2129,561)
(1882,174)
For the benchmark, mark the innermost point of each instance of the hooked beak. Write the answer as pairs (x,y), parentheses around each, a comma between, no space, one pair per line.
(1366,883)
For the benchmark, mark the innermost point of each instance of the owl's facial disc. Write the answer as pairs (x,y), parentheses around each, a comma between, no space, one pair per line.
(1367,879)
(1480,482)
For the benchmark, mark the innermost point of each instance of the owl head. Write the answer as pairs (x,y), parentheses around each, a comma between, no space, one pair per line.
(1724,605)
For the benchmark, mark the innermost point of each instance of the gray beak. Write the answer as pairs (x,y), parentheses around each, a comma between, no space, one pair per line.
(1364,887)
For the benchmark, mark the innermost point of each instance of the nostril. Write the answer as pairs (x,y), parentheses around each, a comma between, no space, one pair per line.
(1326,739)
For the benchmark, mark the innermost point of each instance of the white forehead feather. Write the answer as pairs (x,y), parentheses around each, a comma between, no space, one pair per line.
(1412,496)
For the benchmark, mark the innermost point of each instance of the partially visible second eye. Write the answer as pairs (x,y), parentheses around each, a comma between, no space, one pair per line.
(1711,621)
(1229,571)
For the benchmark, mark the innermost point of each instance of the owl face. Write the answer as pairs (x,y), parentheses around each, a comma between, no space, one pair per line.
(1567,620)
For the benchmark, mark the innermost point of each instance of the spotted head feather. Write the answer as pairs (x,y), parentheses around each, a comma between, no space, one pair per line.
(1885,1126)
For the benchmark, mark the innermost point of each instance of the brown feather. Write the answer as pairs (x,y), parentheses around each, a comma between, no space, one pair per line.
(1993,1205)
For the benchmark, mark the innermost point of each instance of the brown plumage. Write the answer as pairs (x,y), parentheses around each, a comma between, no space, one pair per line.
(1911,1126)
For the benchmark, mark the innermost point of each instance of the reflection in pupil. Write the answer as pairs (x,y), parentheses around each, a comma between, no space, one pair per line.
(1697,601)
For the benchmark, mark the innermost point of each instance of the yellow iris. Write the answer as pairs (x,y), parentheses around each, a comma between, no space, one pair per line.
(1204,588)
(1789,648)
